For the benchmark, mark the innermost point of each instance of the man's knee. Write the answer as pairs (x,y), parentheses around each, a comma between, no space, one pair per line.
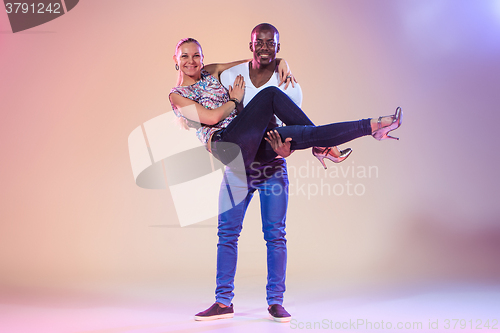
(275,235)
(228,230)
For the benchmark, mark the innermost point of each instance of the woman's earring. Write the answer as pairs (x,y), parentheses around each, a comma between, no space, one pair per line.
(202,65)
(176,67)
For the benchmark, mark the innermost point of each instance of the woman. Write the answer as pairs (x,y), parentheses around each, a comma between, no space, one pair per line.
(204,103)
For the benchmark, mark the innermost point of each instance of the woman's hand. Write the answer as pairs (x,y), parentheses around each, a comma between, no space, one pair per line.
(238,89)
(285,74)
(279,147)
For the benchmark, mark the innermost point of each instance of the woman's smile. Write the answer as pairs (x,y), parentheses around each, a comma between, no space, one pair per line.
(190,59)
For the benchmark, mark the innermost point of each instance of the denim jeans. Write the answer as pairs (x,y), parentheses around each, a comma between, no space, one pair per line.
(271,180)
(248,129)
(245,133)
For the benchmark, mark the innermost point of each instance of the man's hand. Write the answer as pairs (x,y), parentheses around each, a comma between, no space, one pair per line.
(288,79)
(281,148)
(285,74)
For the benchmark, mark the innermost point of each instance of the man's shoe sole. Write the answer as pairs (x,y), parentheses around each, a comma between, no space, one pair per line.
(222,316)
(280,320)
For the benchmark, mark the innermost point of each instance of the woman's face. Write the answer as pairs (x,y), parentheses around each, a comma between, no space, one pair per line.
(189,58)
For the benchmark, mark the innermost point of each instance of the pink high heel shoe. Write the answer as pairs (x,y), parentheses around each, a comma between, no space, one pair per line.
(381,133)
(321,153)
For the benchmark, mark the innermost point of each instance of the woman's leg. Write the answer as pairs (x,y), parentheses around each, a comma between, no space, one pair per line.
(326,135)
(248,128)
(304,137)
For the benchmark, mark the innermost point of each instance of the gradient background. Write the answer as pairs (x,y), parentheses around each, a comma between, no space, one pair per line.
(72,90)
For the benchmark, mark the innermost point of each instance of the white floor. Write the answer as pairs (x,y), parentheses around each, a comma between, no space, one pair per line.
(443,308)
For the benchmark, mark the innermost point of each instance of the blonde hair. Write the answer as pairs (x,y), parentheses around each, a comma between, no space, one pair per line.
(187,40)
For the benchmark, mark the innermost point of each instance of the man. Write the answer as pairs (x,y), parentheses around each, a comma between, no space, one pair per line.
(270,179)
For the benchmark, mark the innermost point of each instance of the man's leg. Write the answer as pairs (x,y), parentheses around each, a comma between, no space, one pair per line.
(229,228)
(273,194)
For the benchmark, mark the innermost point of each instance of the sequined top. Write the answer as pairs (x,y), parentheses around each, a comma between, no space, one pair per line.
(210,94)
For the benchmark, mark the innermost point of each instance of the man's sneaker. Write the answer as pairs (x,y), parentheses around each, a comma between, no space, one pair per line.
(279,313)
(215,312)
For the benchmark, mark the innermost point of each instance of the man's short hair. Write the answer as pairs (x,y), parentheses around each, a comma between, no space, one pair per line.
(266,26)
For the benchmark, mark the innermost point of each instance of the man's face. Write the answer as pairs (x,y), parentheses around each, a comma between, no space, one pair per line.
(264,46)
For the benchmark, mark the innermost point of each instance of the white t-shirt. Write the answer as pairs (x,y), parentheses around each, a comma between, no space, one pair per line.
(229,75)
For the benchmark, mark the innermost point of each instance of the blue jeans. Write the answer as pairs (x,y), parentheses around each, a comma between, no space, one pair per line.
(248,129)
(269,177)
(271,180)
